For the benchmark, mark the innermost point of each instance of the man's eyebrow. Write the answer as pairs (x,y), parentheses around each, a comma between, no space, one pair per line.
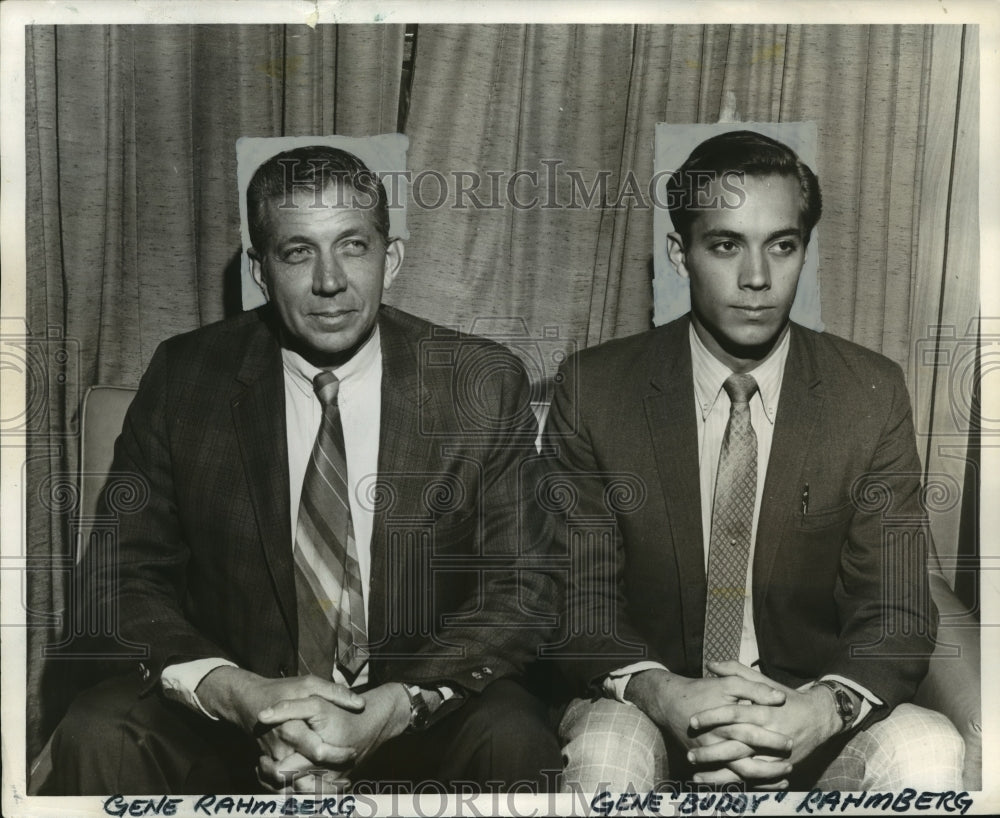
(721,233)
(795,232)
(343,234)
(294,240)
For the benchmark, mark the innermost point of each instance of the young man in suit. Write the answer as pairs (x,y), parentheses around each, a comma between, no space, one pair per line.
(782,629)
(326,569)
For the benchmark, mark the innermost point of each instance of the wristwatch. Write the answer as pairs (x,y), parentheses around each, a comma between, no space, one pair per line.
(842,701)
(419,711)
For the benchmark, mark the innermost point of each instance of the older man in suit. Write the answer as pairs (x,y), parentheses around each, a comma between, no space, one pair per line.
(326,571)
(781,627)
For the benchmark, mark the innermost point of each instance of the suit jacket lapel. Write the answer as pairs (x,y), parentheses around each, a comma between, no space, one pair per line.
(799,409)
(405,438)
(258,408)
(670,413)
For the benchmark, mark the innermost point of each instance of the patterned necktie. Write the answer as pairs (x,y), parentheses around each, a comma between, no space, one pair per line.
(732,522)
(330,604)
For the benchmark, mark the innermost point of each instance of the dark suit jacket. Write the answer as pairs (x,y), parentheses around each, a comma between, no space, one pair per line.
(205,565)
(840,589)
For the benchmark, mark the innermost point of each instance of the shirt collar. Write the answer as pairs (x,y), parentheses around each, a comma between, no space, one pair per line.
(710,373)
(348,373)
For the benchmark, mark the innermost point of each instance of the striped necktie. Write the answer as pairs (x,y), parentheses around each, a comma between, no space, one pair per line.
(732,523)
(330,604)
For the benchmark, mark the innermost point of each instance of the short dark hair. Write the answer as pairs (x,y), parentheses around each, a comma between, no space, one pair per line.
(746,152)
(311,168)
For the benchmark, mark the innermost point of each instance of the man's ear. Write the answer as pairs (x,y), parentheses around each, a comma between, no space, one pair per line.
(393,261)
(257,271)
(675,252)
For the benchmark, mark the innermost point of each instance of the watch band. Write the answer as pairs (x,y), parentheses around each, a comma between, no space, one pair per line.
(419,711)
(842,701)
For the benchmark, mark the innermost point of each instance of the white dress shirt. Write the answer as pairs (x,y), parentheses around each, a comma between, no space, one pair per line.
(360,402)
(712,407)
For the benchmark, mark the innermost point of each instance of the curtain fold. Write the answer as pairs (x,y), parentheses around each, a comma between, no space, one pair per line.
(45,537)
(494,102)
(133,219)
(943,327)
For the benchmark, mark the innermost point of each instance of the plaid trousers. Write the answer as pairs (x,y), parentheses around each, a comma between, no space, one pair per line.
(612,746)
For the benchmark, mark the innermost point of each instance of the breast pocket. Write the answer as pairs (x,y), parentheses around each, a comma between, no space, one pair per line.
(822,519)
(810,557)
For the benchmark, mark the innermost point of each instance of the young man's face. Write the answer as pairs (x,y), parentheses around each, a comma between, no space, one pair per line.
(324,269)
(744,265)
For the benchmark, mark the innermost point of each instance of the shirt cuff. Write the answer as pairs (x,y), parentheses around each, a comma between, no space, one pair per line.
(616,681)
(869,700)
(180,681)
(444,691)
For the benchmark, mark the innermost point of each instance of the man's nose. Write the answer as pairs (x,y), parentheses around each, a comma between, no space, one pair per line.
(755,274)
(328,275)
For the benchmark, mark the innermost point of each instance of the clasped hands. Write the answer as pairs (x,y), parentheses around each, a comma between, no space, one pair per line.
(305,724)
(738,725)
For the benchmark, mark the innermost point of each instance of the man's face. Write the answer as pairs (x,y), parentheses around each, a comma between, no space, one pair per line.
(744,265)
(324,269)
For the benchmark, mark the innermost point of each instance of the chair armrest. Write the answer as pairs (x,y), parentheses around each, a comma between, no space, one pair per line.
(952,684)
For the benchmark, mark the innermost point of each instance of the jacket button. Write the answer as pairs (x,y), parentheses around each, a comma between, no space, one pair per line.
(143,671)
(282,671)
(487,671)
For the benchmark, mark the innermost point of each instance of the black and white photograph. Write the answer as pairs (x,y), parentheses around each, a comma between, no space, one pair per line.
(515,409)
